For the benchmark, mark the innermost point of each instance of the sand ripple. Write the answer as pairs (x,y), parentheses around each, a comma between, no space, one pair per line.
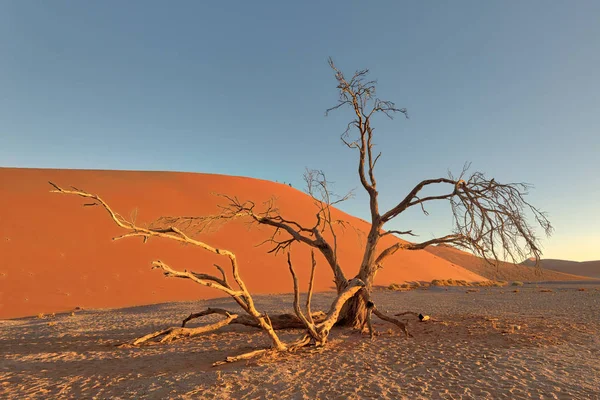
(491,344)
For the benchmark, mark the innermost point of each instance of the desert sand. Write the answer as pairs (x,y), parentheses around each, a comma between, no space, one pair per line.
(540,342)
(58,255)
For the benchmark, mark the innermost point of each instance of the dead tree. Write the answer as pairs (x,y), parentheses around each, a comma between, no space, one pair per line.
(490,218)
(317,325)
(321,236)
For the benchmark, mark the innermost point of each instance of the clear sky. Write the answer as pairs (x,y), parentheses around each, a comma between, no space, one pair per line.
(241,88)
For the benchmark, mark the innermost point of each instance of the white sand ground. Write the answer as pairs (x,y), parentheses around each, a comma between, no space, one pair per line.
(470,350)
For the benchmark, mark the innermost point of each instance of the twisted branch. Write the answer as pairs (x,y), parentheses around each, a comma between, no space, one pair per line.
(242,296)
(318,325)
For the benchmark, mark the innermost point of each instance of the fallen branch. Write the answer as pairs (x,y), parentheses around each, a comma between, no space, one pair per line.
(279,321)
(245,356)
(407,313)
(372,309)
(370,322)
(310,326)
(176,333)
(394,321)
(241,295)
(317,325)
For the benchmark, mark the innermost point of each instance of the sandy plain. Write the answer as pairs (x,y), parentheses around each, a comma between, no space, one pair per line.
(541,341)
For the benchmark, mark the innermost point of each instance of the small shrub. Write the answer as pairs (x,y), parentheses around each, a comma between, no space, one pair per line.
(546,290)
(456,282)
(394,286)
(41,316)
(490,283)
(517,283)
(581,289)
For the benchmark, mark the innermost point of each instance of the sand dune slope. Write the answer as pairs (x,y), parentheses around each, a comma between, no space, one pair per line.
(504,271)
(585,268)
(57,255)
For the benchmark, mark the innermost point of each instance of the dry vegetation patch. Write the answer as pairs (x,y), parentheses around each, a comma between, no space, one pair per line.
(450,283)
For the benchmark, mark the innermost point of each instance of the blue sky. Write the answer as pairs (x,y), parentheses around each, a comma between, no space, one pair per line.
(241,88)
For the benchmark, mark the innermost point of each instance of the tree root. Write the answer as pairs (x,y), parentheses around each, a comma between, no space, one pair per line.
(372,309)
(279,321)
(282,321)
(392,320)
(291,348)
(174,333)
(298,344)
(370,323)
(407,313)
(245,356)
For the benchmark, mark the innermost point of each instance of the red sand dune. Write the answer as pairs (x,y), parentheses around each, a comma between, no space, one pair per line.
(57,255)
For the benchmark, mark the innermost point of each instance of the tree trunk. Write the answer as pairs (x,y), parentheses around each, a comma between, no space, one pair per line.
(354,313)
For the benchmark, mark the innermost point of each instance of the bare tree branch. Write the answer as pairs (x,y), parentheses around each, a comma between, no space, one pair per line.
(354,285)
(359,94)
(278,321)
(406,202)
(202,279)
(309,325)
(317,331)
(310,286)
(393,232)
(490,218)
(242,296)
(175,333)
(286,231)
(414,246)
